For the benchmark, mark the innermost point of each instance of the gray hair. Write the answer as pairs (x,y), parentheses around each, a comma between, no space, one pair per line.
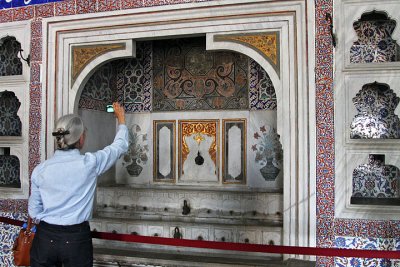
(68,130)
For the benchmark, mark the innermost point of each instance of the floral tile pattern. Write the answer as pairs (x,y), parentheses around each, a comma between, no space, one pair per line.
(8,233)
(366,243)
(375,118)
(45,10)
(127,4)
(375,180)
(10,123)
(10,63)
(65,7)
(36,28)
(375,43)
(108,5)
(85,6)
(9,171)
(325,137)
(6,15)
(23,13)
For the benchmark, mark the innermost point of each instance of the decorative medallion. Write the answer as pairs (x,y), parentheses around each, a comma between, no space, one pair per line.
(83,55)
(267,44)
(198,150)
(187,77)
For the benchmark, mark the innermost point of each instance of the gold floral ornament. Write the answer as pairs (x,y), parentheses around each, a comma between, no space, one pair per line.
(83,55)
(267,44)
(198,130)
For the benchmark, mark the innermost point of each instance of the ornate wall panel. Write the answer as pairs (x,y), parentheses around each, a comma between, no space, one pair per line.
(187,77)
(10,63)
(376,118)
(362,242)
(198,150)
(376,183)
(10,123)
(100,89)
(375,43)
(134,79)
(325,137)
(265,43)
(9,171)
(83,55)
(261,90)
(234,151)
(164,151)
(126,80)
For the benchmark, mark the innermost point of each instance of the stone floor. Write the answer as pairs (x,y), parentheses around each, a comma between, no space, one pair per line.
(164,258)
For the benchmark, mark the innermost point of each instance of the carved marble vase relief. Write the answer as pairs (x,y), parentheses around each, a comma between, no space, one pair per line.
(269,153)
(136,155)
(375,43)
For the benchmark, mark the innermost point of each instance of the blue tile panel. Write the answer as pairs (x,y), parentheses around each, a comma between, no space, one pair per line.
(20,3)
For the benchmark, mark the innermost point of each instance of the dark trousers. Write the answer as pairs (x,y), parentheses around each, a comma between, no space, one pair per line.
(67,246)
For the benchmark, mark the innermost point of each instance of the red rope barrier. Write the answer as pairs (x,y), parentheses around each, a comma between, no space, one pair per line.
(336,252)
(333,252)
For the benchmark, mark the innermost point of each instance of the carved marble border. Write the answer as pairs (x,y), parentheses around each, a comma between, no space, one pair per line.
(157,137)
(227,124)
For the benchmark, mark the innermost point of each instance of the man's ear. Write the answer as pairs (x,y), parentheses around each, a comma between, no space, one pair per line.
(81,141)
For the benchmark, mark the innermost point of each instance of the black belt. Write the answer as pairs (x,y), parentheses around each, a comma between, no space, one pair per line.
(80,227)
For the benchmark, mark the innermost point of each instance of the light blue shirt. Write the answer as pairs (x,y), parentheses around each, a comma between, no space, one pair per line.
(63,186)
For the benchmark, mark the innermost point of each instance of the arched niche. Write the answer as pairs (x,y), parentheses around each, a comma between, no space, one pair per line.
(19,33)
(10,63)
(213,18)
(146,79)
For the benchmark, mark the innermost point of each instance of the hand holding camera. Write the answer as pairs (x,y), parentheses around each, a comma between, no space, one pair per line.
(119,112)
